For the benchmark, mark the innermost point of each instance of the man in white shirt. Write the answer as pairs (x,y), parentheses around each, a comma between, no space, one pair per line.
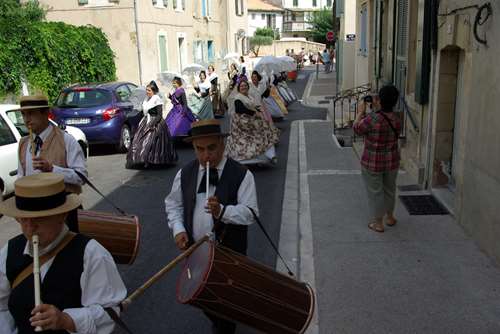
(231,192)
(80,283)
(49,149)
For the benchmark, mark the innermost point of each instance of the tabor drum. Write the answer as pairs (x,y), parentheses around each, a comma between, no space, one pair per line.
(232,286)
(119,234)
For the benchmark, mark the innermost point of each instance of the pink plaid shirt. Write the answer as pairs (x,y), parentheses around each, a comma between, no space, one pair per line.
(381,151)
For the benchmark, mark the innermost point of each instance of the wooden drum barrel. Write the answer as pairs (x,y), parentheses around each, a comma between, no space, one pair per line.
(231,286)
(118,234)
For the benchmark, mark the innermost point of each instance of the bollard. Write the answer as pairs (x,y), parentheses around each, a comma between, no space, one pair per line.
(317,70)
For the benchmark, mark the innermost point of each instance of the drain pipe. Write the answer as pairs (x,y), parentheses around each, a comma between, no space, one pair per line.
(137,40)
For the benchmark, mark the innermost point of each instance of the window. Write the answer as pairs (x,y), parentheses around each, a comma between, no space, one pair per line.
(210,50)
(83,98)
(253,16)
(17,119)
(328,3)
(6,135)
(123,93)
(179,5)
(238,5)
(160,3)
(315,3)
(295,3)
(204,8)
(198,51)
(262,16)
(96,2)
(162,51)
(363,48)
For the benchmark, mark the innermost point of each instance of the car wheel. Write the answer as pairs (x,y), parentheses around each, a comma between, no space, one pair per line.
(125,139)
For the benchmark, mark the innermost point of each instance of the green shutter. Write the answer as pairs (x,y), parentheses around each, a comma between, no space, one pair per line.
(83,2)
(162,44)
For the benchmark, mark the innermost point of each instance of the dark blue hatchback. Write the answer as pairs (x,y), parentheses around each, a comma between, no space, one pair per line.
(102,111)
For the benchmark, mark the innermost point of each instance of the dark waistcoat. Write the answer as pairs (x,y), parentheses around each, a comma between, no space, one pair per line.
(233,236)
(60,287)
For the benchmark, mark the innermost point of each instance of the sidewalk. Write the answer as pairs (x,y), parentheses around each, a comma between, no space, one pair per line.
(424,275)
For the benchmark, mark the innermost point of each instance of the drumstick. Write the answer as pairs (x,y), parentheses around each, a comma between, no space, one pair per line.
(139,291)
(208,179)
(36,275)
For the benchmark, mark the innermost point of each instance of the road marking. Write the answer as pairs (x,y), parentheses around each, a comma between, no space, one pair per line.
(315,172)
(301,76)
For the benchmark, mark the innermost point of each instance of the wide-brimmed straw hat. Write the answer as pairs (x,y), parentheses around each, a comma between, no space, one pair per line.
(205,128)
(39,195)
(34,102)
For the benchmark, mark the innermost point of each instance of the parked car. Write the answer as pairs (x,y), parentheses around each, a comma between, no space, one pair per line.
(103,112)
(12,128)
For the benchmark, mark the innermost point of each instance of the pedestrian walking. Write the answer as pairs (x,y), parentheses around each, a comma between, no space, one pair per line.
(152,144)
(325,57)
(231,192)
(380,159)
(79,282)
(49,149)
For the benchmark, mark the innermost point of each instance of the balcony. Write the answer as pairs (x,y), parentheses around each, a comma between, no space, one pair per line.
(296,26)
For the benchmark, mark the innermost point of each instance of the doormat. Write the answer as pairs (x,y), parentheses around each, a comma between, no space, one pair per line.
(410,187)
(423,205)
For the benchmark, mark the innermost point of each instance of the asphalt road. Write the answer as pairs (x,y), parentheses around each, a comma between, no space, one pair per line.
(143,192)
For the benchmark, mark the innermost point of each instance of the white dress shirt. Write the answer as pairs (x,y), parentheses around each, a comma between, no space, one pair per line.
(101,286)
(75,159)
(202,221)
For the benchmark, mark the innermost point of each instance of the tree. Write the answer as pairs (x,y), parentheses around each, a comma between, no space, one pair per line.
(321,22)
(261,36)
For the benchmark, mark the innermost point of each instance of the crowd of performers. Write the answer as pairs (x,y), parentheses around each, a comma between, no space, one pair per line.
(252,103)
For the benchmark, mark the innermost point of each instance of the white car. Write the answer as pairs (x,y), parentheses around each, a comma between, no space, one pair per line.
(12,128)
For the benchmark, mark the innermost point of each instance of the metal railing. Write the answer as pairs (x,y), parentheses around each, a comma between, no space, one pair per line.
(352,96)
(407,114)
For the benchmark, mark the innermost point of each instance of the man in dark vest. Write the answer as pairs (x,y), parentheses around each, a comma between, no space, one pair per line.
(53,150)
(231,192)
(78,277)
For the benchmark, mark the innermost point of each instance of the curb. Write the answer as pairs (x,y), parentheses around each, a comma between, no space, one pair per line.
(296,240)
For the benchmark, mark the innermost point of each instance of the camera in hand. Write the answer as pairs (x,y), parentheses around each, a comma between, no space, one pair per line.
(368,99)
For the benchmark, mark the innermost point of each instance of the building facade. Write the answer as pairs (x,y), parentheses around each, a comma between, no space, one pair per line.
(297,15)
(345,46)
(153,36)
(440,55)
(263,14)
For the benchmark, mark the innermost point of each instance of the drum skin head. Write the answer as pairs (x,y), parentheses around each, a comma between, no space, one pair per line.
(195,273)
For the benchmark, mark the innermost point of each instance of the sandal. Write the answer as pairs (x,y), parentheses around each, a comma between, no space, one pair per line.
(377,227)
(391,222)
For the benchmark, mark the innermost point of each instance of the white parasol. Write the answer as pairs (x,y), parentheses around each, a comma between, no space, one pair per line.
(287,63)
(268,65)
(232,56)
(166,77)
(193,68)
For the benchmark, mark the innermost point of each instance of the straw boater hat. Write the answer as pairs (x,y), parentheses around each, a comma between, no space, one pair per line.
(39,195)
(34,102)
(205,128)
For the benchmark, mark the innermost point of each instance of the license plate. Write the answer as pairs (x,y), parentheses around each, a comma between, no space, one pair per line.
(77,121)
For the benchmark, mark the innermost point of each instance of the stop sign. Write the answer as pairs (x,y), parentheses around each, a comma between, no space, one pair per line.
(329,36)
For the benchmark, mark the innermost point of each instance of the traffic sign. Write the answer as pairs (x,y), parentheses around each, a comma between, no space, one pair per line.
(330,36)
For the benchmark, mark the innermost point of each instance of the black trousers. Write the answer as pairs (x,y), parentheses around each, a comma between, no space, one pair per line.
(221,326)
(72,220)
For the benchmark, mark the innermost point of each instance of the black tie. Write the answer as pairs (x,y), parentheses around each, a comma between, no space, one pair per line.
(38,144)
(213,180)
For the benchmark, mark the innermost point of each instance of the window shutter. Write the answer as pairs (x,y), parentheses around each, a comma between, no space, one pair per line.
(402,27)
(175,4)
(183,4)
(236,5)
(83,2)
(154,2)
(165,3)
(115,1)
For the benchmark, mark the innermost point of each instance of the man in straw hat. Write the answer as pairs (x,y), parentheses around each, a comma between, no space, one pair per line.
(49,149)
(231,191)
(78,276)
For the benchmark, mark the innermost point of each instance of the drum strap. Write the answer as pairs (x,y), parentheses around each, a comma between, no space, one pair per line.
(114,316)
(269,239)
(87,181)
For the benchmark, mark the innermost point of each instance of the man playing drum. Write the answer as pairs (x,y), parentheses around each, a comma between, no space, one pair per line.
(49,149)
(191,213)
(80,283)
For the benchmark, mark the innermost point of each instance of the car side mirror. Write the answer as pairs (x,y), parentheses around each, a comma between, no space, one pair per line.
(62,126)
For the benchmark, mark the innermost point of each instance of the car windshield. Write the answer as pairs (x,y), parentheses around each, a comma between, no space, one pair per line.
(16,118)
(83,98)
(6,135)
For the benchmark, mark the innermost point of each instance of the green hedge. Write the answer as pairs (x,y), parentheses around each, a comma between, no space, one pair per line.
(52,55)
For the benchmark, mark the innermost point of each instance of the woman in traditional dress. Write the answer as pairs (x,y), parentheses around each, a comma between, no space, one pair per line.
(243,70)
(258,90)
(179,119)
(151,144)
(286,93)
(199,101)
(271,105)
(217,103)
(273,91)
(252,138)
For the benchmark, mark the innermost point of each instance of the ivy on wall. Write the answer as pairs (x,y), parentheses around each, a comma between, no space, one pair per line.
(52,55)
